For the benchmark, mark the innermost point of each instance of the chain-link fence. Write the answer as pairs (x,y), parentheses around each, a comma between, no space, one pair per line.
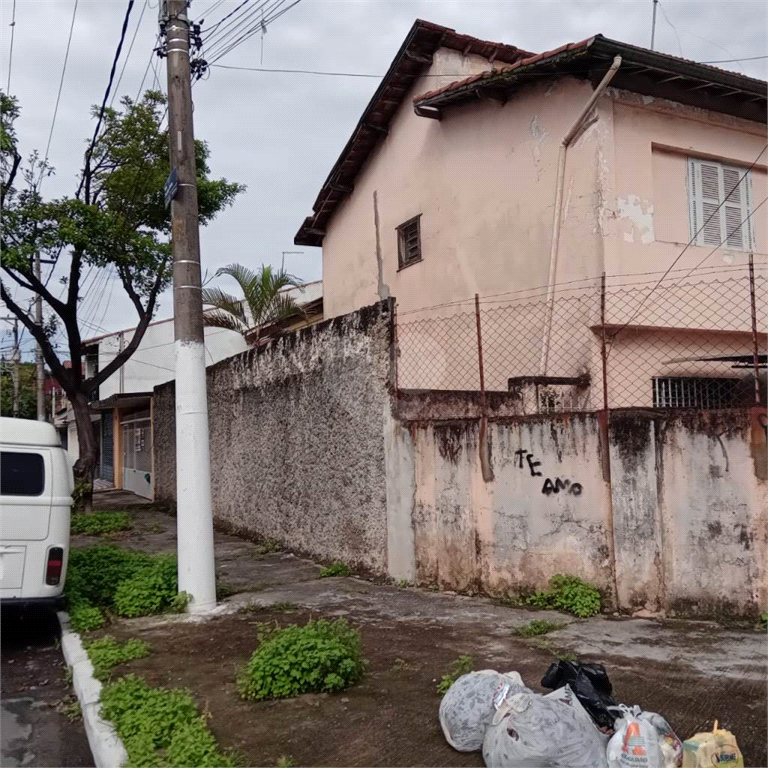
(692,340)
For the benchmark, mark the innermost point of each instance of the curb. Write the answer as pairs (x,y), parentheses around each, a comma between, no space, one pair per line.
(107,749)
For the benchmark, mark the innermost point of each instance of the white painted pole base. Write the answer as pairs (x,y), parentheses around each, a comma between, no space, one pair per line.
(194,516)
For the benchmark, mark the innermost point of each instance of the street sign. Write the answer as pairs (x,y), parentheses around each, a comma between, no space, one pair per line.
(171,187)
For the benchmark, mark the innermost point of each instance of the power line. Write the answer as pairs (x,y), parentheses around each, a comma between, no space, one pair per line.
(10,52)
(58,95)
(718,246)
(442,74)
(229,15)
(128,55)
(103,107)
(224,37)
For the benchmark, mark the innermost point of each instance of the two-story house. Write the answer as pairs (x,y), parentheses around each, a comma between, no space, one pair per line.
(480,168)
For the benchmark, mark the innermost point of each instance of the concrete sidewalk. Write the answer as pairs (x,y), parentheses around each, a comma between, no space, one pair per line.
(691,672)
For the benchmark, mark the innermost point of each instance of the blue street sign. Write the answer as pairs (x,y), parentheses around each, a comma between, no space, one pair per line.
(171,187)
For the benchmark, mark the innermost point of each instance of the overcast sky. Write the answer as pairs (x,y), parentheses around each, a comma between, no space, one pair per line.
(280,133)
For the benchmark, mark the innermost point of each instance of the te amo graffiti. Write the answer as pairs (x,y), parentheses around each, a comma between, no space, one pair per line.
(566,486)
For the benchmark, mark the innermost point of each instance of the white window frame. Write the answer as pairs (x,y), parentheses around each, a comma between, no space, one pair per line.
(700,205)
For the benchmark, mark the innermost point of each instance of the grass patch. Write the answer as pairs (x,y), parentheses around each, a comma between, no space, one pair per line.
(106,652)
(160,727)
(537,627)
(98,523)
(335,569)
(403,584)
(461,666)
(401,665)
(129,583)
(764,620)
(320,656)
(285,761)
(568,593)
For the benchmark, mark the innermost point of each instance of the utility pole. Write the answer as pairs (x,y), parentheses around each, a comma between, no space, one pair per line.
(16,359)
(653,23)
(194,517)
(39,370)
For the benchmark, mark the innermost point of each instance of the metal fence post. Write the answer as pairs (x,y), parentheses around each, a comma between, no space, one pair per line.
(603,347)
(753,308)
(485,458)
(396,347)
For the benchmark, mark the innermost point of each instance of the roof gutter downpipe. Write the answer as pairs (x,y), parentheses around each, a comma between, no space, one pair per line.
(556,225)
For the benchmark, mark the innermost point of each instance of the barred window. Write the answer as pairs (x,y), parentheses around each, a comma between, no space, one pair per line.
(696,392)
(409,242)
(720,203)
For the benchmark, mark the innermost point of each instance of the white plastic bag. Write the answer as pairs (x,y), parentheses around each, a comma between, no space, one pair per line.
(533,731)
(669,742)
(467,708)
(635,742)
(568,698)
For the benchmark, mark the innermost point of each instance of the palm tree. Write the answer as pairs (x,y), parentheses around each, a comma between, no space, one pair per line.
(265,300)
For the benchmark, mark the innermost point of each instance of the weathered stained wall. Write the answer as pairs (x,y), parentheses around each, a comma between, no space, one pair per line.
(297,439)
(681,528)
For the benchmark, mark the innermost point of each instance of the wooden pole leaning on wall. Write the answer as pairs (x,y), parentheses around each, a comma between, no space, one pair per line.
(755,346)
(485,452)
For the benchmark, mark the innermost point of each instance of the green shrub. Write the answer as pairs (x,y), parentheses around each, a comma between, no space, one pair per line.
(95,523)
(335,569)
(568,593)
(538,627)
(84,617)
(131,583)
(151,589)
(320,656)
(461,666)
(106,652)
(160,727)
(94,574)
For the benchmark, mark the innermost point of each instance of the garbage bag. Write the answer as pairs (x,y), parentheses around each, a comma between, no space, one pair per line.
(467,707)
(717,747)
(635,742)
(591,685)
(533,731)
(670,744)
(568,698)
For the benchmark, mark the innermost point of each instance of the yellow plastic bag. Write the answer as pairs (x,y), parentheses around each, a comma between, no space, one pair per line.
(718,748)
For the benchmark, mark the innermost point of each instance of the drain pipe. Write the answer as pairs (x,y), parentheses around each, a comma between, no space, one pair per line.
(556,225)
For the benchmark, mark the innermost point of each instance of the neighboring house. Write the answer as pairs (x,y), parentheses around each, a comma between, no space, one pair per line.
(448,187)
(122,407)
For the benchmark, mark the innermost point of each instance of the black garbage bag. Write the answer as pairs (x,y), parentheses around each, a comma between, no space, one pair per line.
(591,685)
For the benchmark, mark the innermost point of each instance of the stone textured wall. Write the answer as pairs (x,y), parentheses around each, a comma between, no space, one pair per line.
(297,439)
(682,528)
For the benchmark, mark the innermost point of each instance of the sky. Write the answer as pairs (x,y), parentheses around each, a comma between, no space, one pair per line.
(280,133)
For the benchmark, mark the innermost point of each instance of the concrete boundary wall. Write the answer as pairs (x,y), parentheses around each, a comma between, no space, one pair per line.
(680,528)
(311,446)
(297,439)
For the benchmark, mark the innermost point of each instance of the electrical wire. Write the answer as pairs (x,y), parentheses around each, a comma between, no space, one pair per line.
(128,55)
(443,74)
(58,96)
(696,234)
(229,15)
(276,11)
(226,40)
(10,52)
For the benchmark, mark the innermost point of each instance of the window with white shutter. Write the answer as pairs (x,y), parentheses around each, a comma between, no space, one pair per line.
(719,201)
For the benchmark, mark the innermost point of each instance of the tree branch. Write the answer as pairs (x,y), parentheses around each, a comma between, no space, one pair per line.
(145,315)
(11,177)
(37,286)
(60,373)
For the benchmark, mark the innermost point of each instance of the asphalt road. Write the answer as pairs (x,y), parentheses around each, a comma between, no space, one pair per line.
(36,696)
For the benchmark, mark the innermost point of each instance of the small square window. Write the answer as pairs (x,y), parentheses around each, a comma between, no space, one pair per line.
(409,242)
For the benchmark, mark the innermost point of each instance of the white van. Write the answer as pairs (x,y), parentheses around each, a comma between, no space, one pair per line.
(36,485)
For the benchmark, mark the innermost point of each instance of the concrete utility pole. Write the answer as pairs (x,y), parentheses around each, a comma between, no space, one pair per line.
(194,518)
(39,370)
(16,375)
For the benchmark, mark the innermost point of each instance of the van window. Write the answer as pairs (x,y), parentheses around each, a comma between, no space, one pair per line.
(21,474)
